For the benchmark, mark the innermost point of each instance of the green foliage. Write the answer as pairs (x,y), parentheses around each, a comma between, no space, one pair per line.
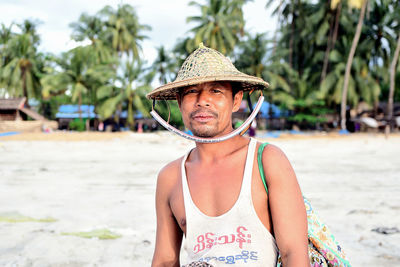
(128,95)
(80,77)
(170,110)
(49,107)
(310,113)
(165,66)
(219,25)
(123,30)
(117,83)
(20,68)
(255,48)
(312,34)
(77,125)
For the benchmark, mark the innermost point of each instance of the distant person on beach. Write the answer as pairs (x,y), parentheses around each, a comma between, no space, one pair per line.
(214,195)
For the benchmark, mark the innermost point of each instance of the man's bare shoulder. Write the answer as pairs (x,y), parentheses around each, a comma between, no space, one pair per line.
(277,167)
(169,174)
(273,154)
(274,159)
(171,168)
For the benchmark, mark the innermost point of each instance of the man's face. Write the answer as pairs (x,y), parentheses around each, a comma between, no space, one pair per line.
(207,108)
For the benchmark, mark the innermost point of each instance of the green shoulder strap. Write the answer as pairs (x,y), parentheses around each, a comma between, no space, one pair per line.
(260,165)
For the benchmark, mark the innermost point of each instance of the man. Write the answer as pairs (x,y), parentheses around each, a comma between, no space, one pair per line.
(214,194)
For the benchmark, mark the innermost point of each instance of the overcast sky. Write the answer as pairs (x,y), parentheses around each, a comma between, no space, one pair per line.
(166,17)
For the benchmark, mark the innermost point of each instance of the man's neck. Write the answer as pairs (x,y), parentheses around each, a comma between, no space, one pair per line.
(210,152)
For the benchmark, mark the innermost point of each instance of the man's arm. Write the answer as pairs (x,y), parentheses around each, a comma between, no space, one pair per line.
(288,212)
(169,235)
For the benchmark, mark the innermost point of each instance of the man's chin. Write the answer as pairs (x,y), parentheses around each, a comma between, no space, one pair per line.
(207,134)
(204,133)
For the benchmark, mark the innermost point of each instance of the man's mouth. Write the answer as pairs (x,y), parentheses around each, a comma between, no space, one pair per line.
(203,116)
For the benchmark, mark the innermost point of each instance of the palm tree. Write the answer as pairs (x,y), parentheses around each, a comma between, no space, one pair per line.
(87,27)
(292,91)
(113,32)
(251,57)
(182,49)
(20,74)
(123,32)
(165,65)
(377,33)
(335,11)
(5,36)
(394,24)
(288,12)
(128,94)
(92,28)
(219,25)
(252,54)
(303,30)
(362,84)
(276,12)
(80,76)
(363,5)
(294,69)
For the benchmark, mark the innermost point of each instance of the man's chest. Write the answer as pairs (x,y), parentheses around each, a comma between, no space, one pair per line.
(215,188)
(212,189)
(213,192)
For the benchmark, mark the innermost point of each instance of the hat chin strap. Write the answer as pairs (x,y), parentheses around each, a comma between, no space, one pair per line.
(239,130)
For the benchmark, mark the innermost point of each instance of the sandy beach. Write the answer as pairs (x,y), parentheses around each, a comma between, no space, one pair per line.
(53,186)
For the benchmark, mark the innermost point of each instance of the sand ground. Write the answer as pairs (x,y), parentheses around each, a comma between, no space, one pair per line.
(107,181)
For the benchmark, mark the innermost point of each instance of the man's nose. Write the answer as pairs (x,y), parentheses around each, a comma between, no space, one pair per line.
(203,99)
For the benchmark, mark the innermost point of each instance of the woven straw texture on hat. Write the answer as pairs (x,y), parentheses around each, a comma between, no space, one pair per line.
(206,65)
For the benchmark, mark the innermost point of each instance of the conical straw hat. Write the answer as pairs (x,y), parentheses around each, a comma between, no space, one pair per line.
(206,65)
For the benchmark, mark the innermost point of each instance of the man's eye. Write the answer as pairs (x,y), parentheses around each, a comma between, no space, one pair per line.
(190,91)
(216,90)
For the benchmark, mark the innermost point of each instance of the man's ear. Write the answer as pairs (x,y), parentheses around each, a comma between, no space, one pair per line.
(237,100)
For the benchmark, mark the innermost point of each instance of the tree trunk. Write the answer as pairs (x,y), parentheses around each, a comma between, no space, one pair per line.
(117,116)
(277,29)
(23,77)
(131,121)
(331,41)
(87,122)
(291,41)
(327,52)
(24,89)
(337,21)
(270,111)
(79,106)
(349,63)
(392,80)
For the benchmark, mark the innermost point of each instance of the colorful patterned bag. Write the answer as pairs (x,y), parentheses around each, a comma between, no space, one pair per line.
(323,249)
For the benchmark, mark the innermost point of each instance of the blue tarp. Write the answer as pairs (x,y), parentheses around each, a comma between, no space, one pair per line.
(124,115)
(72,112)
(276,111)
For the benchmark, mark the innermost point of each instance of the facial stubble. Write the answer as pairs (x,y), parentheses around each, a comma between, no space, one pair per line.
(206,129)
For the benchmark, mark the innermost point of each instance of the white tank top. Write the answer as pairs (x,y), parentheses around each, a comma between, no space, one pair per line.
(236,237)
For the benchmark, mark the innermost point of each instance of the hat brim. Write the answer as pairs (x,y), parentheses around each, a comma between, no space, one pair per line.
(169,90)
